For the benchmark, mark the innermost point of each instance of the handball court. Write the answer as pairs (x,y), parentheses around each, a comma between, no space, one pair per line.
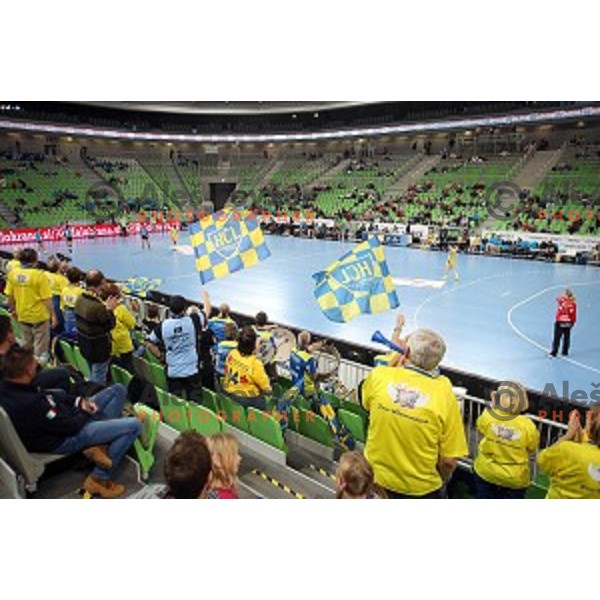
(497,320)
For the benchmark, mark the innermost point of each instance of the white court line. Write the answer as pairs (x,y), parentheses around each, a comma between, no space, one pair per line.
(533,342)
(456,289)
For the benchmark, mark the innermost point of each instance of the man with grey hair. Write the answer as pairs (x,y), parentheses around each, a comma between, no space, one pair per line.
(416,434)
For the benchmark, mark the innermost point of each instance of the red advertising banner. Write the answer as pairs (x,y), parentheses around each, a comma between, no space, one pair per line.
(57,234)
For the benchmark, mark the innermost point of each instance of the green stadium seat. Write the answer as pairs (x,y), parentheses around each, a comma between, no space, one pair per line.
(174,410)
(82,364)
(158,374)
(354,424)
(144,445)
(235,414)
(203,420)
(357,409)
(316,428)
(266,428)
(210,401)
(119,375)
(68,354)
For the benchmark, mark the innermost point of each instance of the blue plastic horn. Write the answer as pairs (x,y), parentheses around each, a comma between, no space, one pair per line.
(379,338)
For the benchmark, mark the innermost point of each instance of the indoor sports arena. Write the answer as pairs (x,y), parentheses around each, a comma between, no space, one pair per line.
(299,300)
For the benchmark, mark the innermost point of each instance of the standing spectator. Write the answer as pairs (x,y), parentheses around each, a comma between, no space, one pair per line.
(566,317)
(226,460)
(224,348)
(68,298)
(30,301)
(178,337)
(509,439)
(58,282)
(56,423)
(15,261)
(95,320)
(122,342)
(416,433)
(573,462)
(217,324)
(245,378)
(267,343)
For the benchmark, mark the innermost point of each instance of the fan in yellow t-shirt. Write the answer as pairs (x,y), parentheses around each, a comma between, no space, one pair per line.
(122,343)
(245,377)
(416,432)
(573,462)
(509,439)
(68,298)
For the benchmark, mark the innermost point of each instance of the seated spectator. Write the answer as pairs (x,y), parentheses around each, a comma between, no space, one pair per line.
(187,470)
(122,342)
(245,378)
(416,434)
(217,324)
(501,468)
(68,298)
(45,379)
(57,423)
(30,301)
(225,347)
(573,462)
(226,460)
(354,477)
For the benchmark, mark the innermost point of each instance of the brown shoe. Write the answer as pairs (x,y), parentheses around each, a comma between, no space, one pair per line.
(97,454)
(103,488)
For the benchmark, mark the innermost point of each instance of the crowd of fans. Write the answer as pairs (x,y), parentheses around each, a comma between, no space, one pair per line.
(416,434)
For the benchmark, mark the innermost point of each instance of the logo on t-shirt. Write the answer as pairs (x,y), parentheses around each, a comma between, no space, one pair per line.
(407,397)
(506,433)
(594,472)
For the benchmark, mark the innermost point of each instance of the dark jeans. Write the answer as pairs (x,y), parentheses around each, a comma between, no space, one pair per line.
(125,361)
(484,490)
(190,386)
(561,332)
(53,379)
(437,495)
(106,427)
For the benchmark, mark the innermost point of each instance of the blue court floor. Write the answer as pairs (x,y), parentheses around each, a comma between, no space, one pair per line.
(497,320)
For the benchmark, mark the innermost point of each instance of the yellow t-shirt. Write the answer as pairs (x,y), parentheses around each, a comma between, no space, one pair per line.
(69,296)
(574,470)
(57,283)
(245,375)
(504,451)
(415,421)
(11,264)
(121,334)
(385,360)
(30,289)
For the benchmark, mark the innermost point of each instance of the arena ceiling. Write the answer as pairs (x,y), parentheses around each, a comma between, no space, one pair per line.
(231,108)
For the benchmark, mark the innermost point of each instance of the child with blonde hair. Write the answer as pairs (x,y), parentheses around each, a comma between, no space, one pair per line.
(226,461)
(354,478)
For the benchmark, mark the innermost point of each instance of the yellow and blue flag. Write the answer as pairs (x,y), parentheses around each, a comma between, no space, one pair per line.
(358,283)
(226,242)
(140,286)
